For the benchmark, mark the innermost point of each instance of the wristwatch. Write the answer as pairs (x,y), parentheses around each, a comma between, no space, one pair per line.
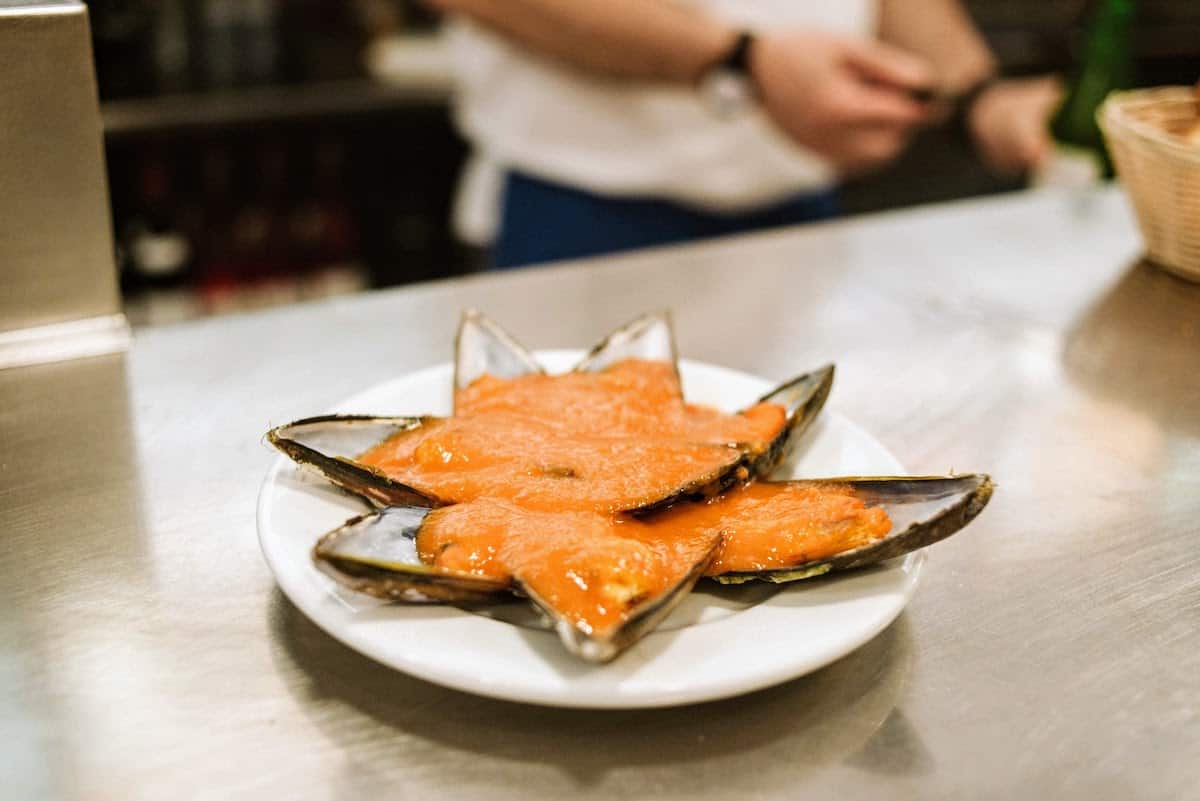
(727,87)
(964,101)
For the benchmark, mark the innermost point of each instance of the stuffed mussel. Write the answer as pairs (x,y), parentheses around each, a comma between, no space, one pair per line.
(601,581)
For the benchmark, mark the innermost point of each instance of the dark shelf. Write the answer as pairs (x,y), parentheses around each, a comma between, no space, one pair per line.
(250,106)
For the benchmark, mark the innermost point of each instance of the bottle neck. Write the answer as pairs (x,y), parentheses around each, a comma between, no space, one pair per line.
(1106,65)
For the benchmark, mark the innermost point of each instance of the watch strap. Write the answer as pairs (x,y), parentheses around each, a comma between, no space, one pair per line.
(737,59)
(961,115)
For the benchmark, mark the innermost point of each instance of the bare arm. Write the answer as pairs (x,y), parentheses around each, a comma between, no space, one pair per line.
(1009,121)
(846,98)
(942,33)
(648,39)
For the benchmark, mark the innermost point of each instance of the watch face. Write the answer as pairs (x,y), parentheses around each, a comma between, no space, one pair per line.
(726,92)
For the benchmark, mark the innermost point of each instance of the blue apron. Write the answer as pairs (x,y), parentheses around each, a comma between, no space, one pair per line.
(542,221)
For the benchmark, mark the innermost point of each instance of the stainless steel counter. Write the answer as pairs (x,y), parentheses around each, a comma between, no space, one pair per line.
(1052,650)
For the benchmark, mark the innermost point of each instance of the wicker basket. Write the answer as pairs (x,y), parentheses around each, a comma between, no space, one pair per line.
(1145,132)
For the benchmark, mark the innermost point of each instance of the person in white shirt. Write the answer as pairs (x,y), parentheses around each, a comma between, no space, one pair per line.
(600,125)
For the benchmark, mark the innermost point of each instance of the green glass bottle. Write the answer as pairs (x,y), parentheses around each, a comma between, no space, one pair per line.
(1106,65)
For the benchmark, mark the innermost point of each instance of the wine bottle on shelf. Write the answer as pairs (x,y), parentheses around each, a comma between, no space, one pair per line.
(337,269)
(218,43)
(216,270)
(339,238)
(171,47)
(122,36)
(261,272)
(257,33)
(157,248)
(158,251)
(1106,64)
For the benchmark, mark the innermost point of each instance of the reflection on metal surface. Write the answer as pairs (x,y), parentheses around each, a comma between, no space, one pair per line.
(26,760)
(94,336)
(79,561)
(896,749)
(793,730)
(1139,345)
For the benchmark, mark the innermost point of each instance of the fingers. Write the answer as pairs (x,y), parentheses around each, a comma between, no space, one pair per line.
(883,106)
(848,100)
(893,86)
(1010,124)
(889,66)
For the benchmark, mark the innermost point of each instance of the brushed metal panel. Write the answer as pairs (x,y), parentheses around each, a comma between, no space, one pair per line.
(56,250)
(1052,650)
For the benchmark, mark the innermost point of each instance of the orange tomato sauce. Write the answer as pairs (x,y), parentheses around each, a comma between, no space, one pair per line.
(774,526)
(517,459)
(596,570)
(609,441)
(537,469)
(634,397)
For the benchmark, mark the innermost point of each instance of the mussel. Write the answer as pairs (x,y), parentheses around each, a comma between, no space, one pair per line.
(650,337)
(329,444)
(375,554)
(378,554)
(481,347)
(922,510)
(397,554)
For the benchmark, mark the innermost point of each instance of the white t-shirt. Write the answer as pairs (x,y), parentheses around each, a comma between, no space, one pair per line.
(612,136)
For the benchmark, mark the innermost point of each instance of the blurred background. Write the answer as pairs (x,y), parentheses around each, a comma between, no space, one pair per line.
(263,152)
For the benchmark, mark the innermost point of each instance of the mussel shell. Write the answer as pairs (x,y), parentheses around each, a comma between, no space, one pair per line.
(802,398)
(650,337)
(329,444)
(376,554)
(923,510)
(703,487)
(483,347)
(604,648)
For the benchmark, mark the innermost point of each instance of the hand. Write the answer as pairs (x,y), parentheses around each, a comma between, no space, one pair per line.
(1010,123)
(849,100)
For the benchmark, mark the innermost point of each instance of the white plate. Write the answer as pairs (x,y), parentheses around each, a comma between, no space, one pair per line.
(718,643)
